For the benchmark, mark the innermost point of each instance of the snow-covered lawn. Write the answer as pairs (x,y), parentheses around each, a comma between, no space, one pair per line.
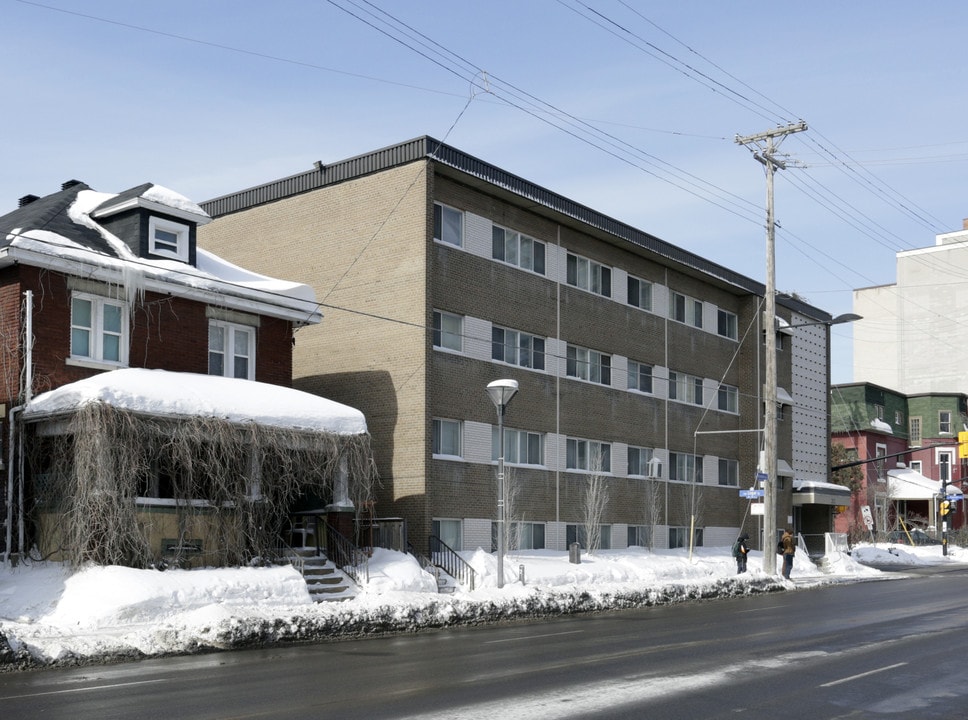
(50,616)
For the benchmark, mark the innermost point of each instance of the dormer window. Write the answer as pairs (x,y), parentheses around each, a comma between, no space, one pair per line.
(168,239)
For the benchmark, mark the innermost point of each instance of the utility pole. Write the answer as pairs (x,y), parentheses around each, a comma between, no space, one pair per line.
(763,146)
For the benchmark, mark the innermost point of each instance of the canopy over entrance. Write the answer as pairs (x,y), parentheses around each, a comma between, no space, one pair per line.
(175,394)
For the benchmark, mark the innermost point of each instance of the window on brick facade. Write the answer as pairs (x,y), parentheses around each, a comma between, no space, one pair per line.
(99,329)
(639,459)
(448,225)
(448,331)
(588,455)
(726,324)
(231,350)
(684,467)
(589,275)
(520,446)
(685,309)
(679,537)
(728,472)
(728,399)
(639,293)
(446,439)
(640,377)
(516,249)
(685,388)
(590,365)
(517,348)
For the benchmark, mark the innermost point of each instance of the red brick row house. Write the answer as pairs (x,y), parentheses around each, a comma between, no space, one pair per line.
(147,388)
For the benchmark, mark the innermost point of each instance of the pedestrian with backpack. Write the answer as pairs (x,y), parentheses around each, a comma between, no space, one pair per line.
(740,551)
(789,547)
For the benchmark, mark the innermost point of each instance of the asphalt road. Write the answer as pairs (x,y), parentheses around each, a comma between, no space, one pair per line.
(886,649)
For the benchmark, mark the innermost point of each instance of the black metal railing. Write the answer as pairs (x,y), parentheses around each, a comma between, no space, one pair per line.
(329,542)
(451,563)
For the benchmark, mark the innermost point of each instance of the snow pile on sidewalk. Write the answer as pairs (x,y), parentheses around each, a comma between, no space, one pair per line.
(51,617)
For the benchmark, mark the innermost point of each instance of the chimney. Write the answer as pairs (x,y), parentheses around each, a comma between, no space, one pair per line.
(70,184)
(26,200)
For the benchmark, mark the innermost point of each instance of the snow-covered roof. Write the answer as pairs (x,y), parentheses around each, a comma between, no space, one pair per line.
(908,484)
(161,392)
(882,426)
(62,232)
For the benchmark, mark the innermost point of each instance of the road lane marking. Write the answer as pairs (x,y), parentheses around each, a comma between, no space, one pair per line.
(532,637)
(862,675)
(78,690)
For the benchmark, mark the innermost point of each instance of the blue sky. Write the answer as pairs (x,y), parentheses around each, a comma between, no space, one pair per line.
(629,107)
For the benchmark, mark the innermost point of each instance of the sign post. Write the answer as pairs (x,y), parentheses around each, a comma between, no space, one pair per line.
(865,510)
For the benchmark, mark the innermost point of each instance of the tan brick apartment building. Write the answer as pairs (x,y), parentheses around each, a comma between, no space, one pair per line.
(438,273)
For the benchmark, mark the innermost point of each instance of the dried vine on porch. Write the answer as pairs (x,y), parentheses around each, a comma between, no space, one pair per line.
(238,480)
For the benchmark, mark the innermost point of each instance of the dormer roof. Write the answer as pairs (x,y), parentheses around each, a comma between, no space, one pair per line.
(100,236)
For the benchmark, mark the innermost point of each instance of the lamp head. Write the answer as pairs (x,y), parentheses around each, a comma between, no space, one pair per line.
(501,392)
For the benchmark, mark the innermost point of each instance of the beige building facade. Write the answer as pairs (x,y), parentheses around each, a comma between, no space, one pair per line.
(438,273)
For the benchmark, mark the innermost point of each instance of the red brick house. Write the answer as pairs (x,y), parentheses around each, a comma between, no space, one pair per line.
(98,287)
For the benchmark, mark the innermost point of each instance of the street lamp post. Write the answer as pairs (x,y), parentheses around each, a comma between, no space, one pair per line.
(501,392)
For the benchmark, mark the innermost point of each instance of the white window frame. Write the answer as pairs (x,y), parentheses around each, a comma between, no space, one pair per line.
(945,459)
(579,454)
(728,472)
(944,423)
(727,398)
(437,438)
(585,274)
(727,324)
(177,249)
(690,312)
(514,441)
(514,250)
(230,350)
(640,291)
(643,459)
(635,376)
(520,351)
(444,232)
(440,334)
(97,333)
(685,464)
(685,388)
(589,365)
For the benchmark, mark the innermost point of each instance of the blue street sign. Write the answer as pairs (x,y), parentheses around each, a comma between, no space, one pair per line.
(761,477)
(954,498)
(751,493)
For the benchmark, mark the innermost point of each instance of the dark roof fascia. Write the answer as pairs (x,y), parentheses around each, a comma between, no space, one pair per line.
(427,147)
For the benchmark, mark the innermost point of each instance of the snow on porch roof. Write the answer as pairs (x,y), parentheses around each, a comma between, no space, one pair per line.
(160,392)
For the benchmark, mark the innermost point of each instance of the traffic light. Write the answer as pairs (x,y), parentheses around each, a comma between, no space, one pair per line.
(945,508)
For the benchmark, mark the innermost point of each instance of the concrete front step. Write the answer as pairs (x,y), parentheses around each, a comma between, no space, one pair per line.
(324,580)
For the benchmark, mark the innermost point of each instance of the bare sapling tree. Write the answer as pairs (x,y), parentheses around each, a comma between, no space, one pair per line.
(511,520)
(653,507)
(692,495)
(594,502)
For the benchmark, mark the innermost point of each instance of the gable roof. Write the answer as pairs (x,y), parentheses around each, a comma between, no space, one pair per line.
(61,232)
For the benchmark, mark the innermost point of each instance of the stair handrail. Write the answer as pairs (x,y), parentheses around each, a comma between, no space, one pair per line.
(350,559)
(451,563)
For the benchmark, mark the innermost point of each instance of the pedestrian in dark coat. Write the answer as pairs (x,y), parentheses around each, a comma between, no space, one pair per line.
(740,551)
